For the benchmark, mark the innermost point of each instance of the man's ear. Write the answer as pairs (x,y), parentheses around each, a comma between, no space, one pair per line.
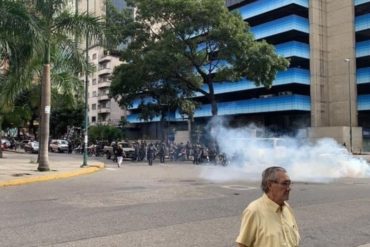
(269,183)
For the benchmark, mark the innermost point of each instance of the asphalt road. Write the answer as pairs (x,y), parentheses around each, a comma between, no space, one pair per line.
(170,205)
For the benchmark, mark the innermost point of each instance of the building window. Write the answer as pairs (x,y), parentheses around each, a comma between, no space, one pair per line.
(94,56)
(94,81)
(93,119)
(93,107)
(94,93)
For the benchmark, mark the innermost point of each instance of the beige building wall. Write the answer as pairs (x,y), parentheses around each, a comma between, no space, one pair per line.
(333,79)
(102,110)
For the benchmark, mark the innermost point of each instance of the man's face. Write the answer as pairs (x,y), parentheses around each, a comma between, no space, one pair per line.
(280,188)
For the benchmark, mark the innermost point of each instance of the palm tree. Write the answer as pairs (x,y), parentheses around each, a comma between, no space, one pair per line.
(57,24)
(45,26)
(18,38)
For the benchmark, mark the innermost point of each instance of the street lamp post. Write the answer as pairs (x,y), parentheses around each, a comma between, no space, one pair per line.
(86,124)
(348,61)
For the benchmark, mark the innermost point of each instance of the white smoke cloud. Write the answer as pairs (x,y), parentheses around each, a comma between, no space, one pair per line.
(322,161)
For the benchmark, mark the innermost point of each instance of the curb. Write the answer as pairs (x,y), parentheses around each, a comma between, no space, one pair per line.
(58,175)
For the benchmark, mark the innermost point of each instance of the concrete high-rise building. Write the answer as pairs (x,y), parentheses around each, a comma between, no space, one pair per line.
(102,109)
(326,89)
(328,44)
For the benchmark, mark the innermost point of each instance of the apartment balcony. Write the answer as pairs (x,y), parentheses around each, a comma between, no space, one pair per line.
(105,59)
(104,84)
(104,71)
(103,122)
(104,110)
(108,122)
(103,97)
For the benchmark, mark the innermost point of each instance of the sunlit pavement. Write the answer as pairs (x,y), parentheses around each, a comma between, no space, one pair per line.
(19,168)
(169,205)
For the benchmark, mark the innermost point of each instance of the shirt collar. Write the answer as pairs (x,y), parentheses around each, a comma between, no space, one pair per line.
(272,205)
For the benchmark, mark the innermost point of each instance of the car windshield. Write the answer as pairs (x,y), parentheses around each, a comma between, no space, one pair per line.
(64,142)
(125,145)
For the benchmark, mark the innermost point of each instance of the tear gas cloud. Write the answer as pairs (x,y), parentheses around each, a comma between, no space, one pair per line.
(248,156)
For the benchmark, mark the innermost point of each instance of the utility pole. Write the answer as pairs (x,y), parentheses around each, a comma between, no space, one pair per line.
(348,61)
(86,122)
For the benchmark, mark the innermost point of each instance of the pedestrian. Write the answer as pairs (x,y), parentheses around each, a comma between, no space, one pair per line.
(137,151)
(114,151)
(188,148)
(269,221)
(119,154)
(70,148)
(162,152)
(196,153)
(150,153)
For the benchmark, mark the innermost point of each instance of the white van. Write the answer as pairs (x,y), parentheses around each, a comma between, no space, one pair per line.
(58,146)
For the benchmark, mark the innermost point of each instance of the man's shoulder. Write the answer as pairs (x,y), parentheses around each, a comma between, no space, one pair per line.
(255,205)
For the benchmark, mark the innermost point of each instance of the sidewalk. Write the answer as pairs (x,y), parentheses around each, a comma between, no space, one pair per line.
(17,168)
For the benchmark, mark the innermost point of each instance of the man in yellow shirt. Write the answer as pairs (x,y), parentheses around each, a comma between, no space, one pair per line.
(269,221)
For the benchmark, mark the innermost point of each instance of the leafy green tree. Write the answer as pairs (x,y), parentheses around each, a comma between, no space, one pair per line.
(191,44)
(166,96)
(63,117)
(104,133)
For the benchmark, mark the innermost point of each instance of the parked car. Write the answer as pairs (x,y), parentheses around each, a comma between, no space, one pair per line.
(127,148)
(58,146)
(31,146)
(5,143)
(23,143)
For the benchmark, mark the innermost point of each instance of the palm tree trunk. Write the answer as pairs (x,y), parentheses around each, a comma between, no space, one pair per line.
(45,120)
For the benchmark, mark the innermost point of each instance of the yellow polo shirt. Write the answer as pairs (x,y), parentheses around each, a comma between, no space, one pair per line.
(266,224)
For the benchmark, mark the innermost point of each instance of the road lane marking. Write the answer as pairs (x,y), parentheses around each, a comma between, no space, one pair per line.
(239,187)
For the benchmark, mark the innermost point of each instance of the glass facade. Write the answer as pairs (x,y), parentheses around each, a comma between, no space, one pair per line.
(293,75)
(362,22)
(284,24)
(363,76)
(293,49)
(363,49)
(363,102)
(359,2)
(265,6)
(362,29)
(261,105)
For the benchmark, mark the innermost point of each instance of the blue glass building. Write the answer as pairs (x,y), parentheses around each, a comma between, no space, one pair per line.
(327,86)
